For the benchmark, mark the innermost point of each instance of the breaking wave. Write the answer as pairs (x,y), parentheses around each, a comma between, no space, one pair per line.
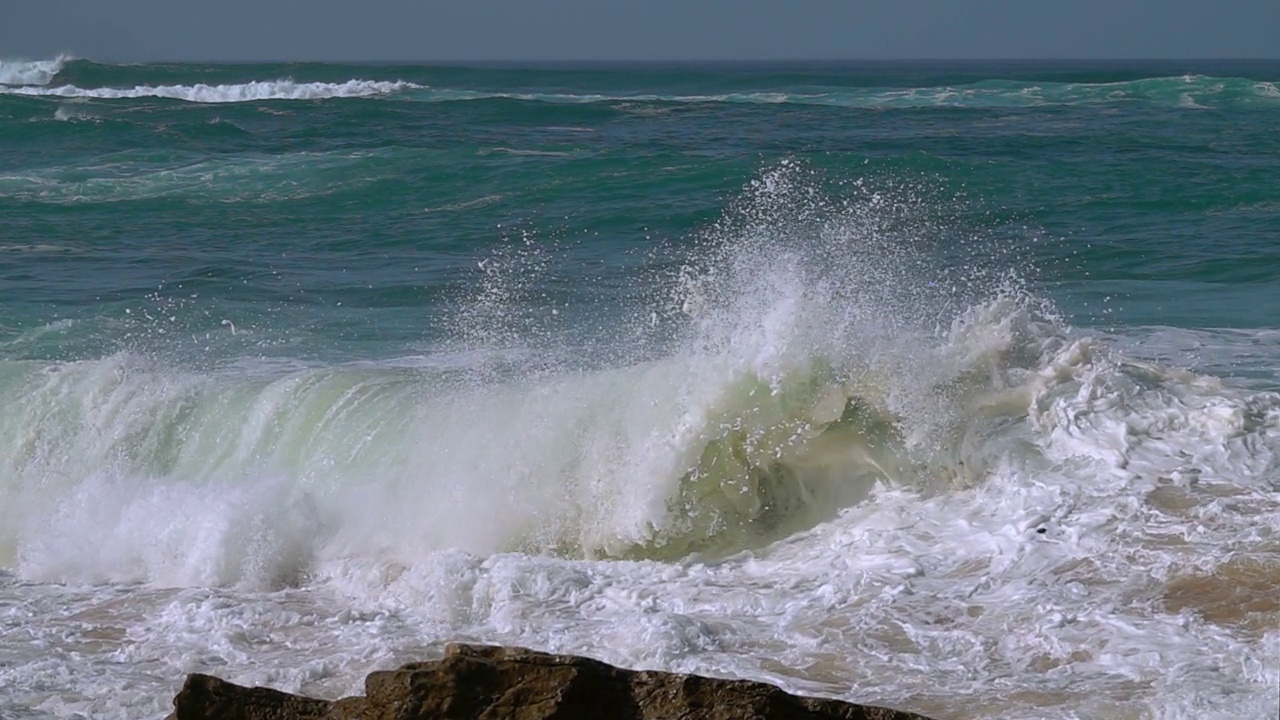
(1188,91)
(38,72)
(813,350)
(231,93)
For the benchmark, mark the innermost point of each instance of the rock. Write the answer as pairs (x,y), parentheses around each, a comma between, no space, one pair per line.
(496,683)
(205,696)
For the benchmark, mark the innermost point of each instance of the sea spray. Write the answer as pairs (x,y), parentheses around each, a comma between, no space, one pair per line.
(951,393)
(35,72)
(811,360)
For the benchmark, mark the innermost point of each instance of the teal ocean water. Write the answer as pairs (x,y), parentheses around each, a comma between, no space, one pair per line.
(946,386)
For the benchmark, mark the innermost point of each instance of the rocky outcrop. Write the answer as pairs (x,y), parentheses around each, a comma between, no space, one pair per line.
(495,683)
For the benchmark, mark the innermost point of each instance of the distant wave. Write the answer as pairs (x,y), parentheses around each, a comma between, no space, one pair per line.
(1187,91)
(243,92)
(38,72)
(1194,91)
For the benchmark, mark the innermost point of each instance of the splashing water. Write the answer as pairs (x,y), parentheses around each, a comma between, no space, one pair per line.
(844,462)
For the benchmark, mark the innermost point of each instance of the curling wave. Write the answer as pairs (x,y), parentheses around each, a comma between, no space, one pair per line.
(689,453)
(791,386)
(815,351)
(38,72)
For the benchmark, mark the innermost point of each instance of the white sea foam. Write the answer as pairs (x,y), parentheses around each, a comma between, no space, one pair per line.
(846,472)
(793,389)
(242,92)
(39,72)
(74,111)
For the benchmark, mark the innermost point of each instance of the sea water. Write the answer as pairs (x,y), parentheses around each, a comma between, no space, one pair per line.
(949,387)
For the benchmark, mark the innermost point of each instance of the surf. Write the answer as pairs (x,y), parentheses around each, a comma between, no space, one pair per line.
(824,438)
(32,72)
(780,391)
(257,90)
(809,354)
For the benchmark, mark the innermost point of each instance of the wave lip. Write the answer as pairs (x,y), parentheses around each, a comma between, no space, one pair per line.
(27,72)
(243,92)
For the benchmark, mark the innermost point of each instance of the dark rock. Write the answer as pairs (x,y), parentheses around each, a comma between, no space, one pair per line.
(205,696)
(495,683)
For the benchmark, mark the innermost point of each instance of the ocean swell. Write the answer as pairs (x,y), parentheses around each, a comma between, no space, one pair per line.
(1197,91)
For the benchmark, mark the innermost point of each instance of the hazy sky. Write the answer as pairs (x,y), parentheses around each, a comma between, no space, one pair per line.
(637,29)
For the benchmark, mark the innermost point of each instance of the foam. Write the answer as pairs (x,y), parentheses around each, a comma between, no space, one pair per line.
(39,72)
(243,92)
(791,390)
(321,522)
(1191,91)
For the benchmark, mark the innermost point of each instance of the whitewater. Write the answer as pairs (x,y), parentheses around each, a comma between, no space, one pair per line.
(813,437)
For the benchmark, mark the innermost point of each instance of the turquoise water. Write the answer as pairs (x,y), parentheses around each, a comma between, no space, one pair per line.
(387,337)
(1137,195)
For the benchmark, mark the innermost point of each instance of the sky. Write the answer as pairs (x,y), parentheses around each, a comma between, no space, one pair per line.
(473,30)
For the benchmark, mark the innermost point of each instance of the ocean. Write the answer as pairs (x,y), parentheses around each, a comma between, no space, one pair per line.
(953,387)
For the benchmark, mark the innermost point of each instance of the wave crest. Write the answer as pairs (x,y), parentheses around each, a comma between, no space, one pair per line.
(241,92)
(37,72)
(811,348)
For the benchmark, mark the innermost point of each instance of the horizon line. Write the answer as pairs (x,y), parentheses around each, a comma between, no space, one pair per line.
(71,56)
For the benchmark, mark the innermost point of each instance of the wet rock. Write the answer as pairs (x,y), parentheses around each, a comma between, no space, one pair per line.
(205,696)
(496,683)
